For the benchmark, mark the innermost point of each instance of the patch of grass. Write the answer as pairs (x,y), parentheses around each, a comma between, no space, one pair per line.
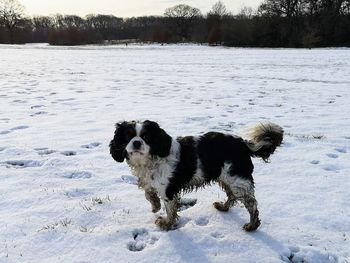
(83,229)
(64,223)
(50,227)
(85,207)
(100,200)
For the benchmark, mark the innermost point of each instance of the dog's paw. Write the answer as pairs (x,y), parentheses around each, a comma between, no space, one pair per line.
(251,226)
(164,224)
(220,206)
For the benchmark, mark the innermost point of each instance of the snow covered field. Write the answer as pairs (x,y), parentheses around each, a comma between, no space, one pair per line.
(64,199)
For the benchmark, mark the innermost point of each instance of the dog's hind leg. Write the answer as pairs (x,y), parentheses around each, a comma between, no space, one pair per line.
(243,189)
(152,197)
(251,204)
(239,188)
(231,199)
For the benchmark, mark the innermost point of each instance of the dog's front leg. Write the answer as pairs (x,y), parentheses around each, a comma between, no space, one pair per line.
(168,222)
(152,197)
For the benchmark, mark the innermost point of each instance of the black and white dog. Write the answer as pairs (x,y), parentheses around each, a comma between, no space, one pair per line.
(166,167)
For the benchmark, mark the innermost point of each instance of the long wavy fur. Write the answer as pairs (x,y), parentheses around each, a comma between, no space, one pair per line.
(263,139)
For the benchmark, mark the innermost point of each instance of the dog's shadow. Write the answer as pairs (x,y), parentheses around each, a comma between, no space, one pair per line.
(189,251)
(269,241)
(186,248)
(261,236)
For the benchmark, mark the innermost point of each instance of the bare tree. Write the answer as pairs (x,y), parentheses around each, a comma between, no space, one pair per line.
(11,16)
(41,27)
(287,8)
(215,19)
(107,25)
(219,9)
(183,17)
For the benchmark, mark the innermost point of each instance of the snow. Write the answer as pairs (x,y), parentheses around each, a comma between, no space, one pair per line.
(64,199)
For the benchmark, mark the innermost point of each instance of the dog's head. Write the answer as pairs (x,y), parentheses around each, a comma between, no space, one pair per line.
(137,141)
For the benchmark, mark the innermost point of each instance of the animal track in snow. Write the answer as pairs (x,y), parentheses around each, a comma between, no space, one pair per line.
(217,235)
(22,163)
(37,106)
(40,148)
(340,150)
(129,179)
(21,127)
(315,162)
(77,175)
(39,113)
(91,145)
(332,155)
(142,238)
(331,168)
(202,221)
(4,132)
(303,254)
(69,153)
(44,151)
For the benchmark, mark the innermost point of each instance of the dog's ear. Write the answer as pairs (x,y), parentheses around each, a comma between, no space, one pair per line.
(161,141)
(118,144)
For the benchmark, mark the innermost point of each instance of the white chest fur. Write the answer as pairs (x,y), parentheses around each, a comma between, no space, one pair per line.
(155,172)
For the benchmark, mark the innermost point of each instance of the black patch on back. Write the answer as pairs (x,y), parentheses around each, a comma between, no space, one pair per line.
(185,168)
(214,149)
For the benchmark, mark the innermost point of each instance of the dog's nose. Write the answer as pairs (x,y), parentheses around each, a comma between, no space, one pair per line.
(136,144)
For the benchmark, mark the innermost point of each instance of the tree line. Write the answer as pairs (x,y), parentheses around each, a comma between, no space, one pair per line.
(276,23)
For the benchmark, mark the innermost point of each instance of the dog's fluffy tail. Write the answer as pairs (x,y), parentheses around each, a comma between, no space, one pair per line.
(263,139)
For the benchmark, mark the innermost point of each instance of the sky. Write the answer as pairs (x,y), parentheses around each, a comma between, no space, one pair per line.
(122,8)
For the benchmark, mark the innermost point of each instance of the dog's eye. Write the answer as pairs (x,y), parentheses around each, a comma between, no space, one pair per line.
(130,133)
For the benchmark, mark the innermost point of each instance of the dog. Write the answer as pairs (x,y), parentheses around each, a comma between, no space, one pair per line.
(166,167)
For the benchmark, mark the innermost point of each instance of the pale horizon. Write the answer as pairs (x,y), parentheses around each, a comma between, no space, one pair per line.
(124,9)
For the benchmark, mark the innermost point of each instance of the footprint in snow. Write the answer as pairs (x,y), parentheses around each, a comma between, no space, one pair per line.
(91,145)
(40,148)
(4,132)
(21,127)
(77,175)
(37,106)
(202,221)
(45,151)
(340,150)
(217,235)
(142,238)
(331,168)
(315,162)
(129,179)
(22,163)
(39,113)
(310,253)
(332,155)
(69,153)
(68,99)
